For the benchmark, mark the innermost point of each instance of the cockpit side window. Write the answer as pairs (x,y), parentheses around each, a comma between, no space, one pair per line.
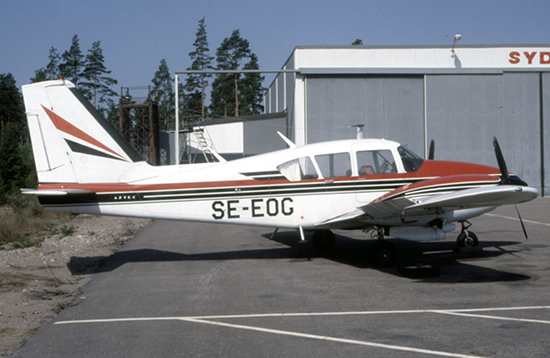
(334,165)
(298,169)
(373,162)
(411,161)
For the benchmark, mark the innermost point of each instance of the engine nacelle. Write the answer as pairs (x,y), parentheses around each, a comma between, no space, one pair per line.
(417,233)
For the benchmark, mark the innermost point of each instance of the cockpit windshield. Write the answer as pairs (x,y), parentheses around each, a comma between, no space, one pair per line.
(411,161)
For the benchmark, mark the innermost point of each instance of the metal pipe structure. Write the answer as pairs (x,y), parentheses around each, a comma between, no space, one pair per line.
(186,72)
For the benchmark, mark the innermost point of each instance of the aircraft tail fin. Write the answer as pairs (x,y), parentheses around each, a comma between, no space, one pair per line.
(71,141)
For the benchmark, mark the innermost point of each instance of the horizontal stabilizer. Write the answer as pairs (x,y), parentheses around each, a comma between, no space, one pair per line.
(58,192)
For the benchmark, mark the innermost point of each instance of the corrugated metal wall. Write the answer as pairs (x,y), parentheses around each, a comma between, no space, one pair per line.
(261,136)
(545,124)
(389,106)
(464,113)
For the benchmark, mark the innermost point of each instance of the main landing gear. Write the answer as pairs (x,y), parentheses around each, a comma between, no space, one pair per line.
(383,253)
(466,239)
(323,240)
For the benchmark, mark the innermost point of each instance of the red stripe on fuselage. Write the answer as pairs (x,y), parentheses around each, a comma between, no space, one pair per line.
(432,173)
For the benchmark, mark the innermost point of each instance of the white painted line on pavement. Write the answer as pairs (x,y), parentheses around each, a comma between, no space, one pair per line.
(331,339)
(210,320)
(516,219)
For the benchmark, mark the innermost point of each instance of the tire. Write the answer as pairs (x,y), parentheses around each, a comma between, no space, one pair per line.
(383,254)
(467,239)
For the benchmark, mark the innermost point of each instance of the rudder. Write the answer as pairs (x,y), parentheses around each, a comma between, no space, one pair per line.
(72,142)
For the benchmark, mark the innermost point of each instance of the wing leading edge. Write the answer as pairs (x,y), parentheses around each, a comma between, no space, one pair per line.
(432,195)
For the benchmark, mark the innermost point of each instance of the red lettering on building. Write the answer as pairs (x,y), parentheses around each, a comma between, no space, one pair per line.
(516,57)
(530,56)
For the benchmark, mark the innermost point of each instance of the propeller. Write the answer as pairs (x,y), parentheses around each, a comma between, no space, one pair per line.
(432,150)
(505,178)
(500,160)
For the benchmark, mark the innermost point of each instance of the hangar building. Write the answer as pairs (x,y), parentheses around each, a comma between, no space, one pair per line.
(460,97)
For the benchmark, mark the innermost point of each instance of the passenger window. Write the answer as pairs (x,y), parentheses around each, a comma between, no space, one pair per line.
(298,169)
(334,165)
(375,162)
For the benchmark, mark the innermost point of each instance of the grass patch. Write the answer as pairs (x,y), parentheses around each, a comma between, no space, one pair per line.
(23,223)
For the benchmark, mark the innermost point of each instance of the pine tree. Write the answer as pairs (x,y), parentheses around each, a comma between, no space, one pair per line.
(73,62)
(15,158)
(11,103)
(225,88)
(52,68)
(51,71)
(196,84)
(252,89)
(162,83)
(97,84)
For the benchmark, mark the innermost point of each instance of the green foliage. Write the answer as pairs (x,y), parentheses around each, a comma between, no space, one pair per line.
(24,223)
(196,84)
(66,230)
(20,203)
(162,83)
(234,94)
(251,88)
(73,64)
(16,165)
(357,42)
(11,102)
(51,72)
(96,83)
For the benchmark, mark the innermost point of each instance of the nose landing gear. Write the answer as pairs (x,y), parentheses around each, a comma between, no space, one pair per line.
(466,239)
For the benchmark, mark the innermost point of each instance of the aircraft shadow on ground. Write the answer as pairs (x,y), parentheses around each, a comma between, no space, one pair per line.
(348,251)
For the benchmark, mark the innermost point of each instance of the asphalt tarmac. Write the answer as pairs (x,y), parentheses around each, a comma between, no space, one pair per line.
(196,290)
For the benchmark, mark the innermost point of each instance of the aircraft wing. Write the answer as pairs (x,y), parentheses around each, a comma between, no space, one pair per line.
(456,192)
(451,193)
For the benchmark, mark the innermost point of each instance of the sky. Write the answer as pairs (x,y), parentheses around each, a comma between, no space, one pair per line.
(136,35)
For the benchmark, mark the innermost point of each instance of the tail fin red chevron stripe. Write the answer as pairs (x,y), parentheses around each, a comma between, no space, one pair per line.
(66,127)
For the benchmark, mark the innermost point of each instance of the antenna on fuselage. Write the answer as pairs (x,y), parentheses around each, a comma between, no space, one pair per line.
(360,134)
(287,141)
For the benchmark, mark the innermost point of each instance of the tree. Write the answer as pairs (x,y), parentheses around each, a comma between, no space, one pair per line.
(162,83)
(229,56)
(73,62)
(195,84)
(252,89)
(11,103)
(15,157)
(16,165)
(357,42)
(97,84)
(51,72)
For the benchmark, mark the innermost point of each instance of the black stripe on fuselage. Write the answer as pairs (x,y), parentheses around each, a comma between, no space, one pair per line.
(317,188)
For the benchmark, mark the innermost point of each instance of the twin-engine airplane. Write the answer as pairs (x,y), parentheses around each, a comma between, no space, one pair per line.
(85,166)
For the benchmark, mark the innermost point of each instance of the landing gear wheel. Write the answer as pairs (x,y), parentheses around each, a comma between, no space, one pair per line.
(467,239)
(323,240)
(384,254)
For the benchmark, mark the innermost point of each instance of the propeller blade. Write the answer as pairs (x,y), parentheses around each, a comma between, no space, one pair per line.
(432,150)
(500,159)
(522,225)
